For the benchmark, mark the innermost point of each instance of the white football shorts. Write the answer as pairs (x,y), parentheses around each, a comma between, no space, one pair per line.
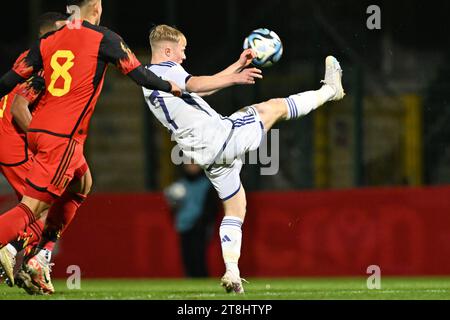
(246,136)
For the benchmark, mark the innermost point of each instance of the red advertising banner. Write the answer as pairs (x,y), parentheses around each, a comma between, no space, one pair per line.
(286,234)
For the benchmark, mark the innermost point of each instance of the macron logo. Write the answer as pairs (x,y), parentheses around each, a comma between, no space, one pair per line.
(226,239)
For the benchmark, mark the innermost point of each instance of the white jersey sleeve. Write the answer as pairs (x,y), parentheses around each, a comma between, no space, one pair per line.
(198,129)
(178,75)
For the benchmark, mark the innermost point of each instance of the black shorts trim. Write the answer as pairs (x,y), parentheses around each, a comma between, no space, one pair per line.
(14,164)
(18,164)
(65,161)
(60,135)
(40,189)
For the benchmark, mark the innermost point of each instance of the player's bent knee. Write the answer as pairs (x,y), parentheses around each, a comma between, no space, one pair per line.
(271,107)
(38,207)
(278,106)
(82,186)
(275,102)
(87,184)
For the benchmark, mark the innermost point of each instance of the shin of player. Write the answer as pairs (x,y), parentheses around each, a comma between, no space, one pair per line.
(62,212)
(231,231)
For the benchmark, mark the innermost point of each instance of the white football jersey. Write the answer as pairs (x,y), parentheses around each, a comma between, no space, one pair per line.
(196,127)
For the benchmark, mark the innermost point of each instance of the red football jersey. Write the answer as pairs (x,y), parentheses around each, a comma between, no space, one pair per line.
(13,146)
(74,62)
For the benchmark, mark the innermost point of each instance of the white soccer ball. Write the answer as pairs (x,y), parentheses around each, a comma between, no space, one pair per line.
(267,45)
(176,192)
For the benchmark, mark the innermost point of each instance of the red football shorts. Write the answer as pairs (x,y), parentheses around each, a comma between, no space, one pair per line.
(16,176)
(57,161)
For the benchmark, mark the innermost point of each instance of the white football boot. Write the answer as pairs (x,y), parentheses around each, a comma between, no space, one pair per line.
(7,263)
(39,269)
(231,283)
(333,77)
(24,281)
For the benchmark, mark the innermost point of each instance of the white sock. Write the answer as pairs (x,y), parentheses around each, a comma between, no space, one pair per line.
(231,239)
(45,254)
(11,249)
(301,104)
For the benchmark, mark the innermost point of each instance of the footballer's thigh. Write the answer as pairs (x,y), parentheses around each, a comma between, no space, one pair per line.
(16,175)
(247,135)
(272,111)
(82,183)
(38,207)
(55,165)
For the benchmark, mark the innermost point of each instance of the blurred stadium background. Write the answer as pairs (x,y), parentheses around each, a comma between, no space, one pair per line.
(361,182)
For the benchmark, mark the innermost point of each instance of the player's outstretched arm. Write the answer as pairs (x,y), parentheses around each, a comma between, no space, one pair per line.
(8,82)
(206,84)
(243,62)
(229,74)
(22,70)
(146,78)
(27,94)
(116,51)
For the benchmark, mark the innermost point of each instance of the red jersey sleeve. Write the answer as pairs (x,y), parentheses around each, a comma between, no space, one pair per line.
(20,60)
(114,50)
(28,62)
(31,89)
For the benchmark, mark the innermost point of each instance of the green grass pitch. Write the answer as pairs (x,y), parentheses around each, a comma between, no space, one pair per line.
(257,289)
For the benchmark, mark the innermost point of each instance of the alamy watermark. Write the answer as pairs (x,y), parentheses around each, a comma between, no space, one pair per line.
(74,21)
(374,280)
(74,280)
(374,20)
(266,154)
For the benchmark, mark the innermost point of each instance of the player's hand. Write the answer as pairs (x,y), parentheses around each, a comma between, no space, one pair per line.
(247,57)
(248,76)
(176,91)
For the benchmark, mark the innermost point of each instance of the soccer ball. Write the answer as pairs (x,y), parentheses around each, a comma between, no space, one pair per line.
(175,193)
(268,47)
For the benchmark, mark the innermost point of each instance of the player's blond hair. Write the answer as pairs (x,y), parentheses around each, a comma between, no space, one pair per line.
(165,33)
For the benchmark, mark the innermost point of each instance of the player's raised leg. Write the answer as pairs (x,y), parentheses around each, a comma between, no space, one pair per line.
(299,105)
(269,113)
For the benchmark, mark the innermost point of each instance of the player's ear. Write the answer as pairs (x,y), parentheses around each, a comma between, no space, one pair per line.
(60,24)
(167,52)
(98,8)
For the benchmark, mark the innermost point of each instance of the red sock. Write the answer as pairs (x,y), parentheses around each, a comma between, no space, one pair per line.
(30,237)
(33,233)
(14,222)
(50,245)
(60,216)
